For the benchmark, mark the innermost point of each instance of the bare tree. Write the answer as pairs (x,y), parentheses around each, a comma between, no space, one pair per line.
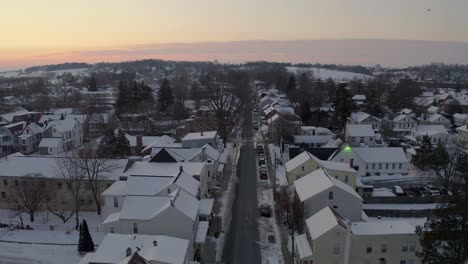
(446,164)
(227,108)
(74,178)
(93,167)
(30,194)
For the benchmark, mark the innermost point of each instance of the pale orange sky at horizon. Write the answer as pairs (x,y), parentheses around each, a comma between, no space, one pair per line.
(56,31)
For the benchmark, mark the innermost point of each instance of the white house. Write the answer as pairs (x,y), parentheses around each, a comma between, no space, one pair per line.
(375,161)
(69,130)
(28,141)
(437,133)
(317,190)
(460,119)
(330,238)
(436,119)
(361,135)
(361,118)
(125,248)
(462,136)
(199,139)
(403,124)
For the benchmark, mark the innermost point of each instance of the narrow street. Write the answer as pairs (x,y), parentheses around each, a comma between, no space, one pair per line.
(242,240)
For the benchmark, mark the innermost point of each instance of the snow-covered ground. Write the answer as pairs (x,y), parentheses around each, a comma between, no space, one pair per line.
(406,207)
(383,192)
(77,71)
(15,253)
(326,74)
(416,221)
(280,170)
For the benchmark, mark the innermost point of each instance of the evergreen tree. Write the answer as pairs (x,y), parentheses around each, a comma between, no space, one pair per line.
(106,144)
(343,104)
(179,111)
(423,155)
(165,98)
(291,86)
(121,145)
(92,85)
(85,243)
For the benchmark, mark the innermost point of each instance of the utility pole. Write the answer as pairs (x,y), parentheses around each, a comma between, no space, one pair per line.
(274,179)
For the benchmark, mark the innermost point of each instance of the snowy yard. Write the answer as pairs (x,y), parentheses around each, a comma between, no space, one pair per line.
(42,245)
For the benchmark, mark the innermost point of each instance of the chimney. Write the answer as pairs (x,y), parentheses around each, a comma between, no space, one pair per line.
(128,252)
(351,163)
(181,168)
(155,243)
(139,143)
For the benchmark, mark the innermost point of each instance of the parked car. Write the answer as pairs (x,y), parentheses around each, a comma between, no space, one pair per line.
(263,174)
(265,210)
(398,191)
(261,161)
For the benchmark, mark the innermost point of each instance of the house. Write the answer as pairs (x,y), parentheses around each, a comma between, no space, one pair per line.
(437,133)
(435,119)
(402,124)
(462,136)
(96,124)
(18,116)
(69,130)
(460,119)
(142,145)
(139,249)
(317,190)
(374,161)
(433,109)
(51,146)
(331,238)
(28,141)
(359,99)
(18,167)
(9,137)
(361,135)
(199,139)
(306,163)
(361,118)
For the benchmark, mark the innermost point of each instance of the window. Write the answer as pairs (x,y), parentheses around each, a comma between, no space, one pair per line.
(112,229)
(412,246)
(367,166)
(135,228)
(303,168)
(400,165)
(59,185)
(352,139)
(116,202)
(361,140)
(380,166)
(3,195)
(373,166)
(404,248)
(330,195)
(386,166)
(5,182)
(393,166)
(346,178)
(383,249)
(336,250)
(369,249)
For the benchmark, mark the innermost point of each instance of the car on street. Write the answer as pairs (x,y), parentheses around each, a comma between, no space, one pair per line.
(263,174)
(433,190)
(265,210)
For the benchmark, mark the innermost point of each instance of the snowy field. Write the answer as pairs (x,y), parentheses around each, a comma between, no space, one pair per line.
(326,74)
(8,74)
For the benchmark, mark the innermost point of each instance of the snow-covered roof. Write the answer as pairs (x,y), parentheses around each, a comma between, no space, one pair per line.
(364,130)
(333,165)
(201,232)
(188,154)
(382,228)
(148,207)
(145,168)
(460,116)
(200,135)
(406,111)
(430,129)
(359,97)
(206,206)
(303,246)
(434,118)
(62,125)
(50,142)
(145,140)
(317,182)
(146,185)
(312,139)
(18,166)
(9,116)
(321,222)
(297,161)
(433,109)
(400,117)
(462,128)
(167,250)
(117,188)
(376,155)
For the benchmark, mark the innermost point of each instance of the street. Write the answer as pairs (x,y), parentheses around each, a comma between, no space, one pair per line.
(242,240)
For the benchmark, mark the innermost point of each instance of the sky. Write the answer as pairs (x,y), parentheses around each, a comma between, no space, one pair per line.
(48,31)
